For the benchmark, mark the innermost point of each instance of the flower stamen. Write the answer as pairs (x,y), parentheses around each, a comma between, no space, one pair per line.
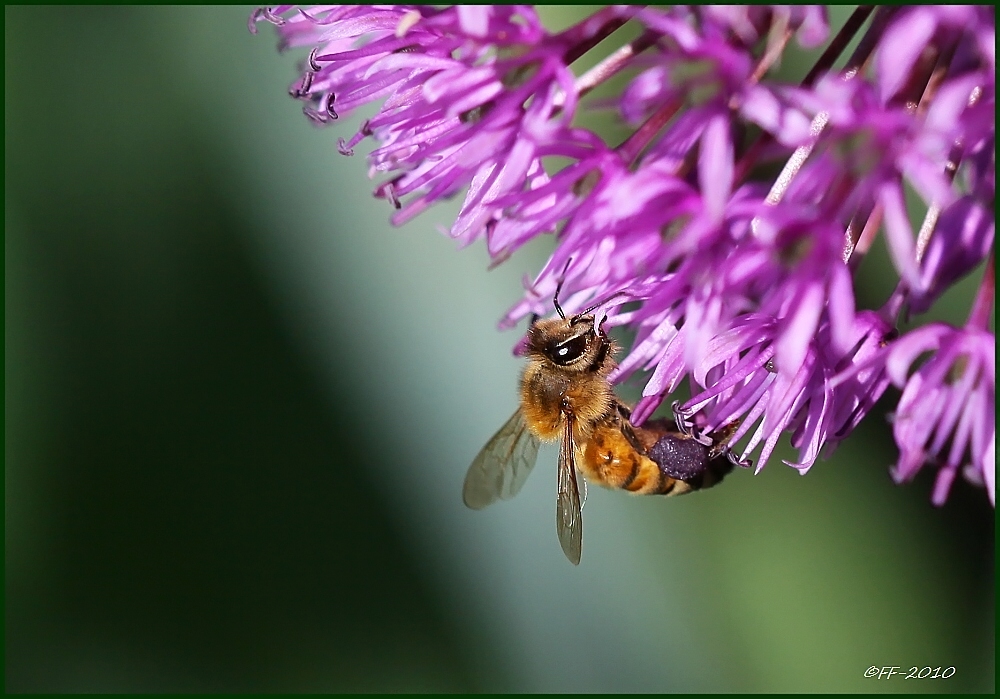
(632,147)
(982,307)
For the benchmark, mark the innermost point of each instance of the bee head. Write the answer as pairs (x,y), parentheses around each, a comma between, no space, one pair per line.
(572,344)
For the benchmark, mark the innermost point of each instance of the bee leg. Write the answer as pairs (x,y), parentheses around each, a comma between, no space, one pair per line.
(686,427)
(623,411)
(703,438)
(680,419)
(622,421)
(735,461)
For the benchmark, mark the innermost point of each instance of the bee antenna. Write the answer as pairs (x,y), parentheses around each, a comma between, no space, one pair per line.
(597,305)
(555,298)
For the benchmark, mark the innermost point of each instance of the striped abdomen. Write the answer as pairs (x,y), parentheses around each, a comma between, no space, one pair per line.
(651,460)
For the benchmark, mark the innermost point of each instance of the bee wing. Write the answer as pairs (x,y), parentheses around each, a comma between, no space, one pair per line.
(503,465)
(569,521)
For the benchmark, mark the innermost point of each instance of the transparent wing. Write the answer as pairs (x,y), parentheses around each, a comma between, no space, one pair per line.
(503,465)
(569,522)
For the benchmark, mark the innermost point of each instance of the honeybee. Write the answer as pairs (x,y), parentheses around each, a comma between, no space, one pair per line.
(566,396)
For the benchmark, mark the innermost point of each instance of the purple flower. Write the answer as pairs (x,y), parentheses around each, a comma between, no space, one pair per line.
(946,415)
(738,280)
(743,385)
(963,237)
(474,96)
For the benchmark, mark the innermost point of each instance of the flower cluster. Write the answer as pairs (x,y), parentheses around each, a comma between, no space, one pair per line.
(739,280)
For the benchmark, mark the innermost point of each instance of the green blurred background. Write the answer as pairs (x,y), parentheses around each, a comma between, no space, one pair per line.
(240,406)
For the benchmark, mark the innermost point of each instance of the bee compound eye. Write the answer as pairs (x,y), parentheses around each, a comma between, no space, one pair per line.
(679,457)
(568,351)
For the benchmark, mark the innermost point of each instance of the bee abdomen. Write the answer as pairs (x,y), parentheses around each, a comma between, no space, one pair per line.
(608,459)
(674,465)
